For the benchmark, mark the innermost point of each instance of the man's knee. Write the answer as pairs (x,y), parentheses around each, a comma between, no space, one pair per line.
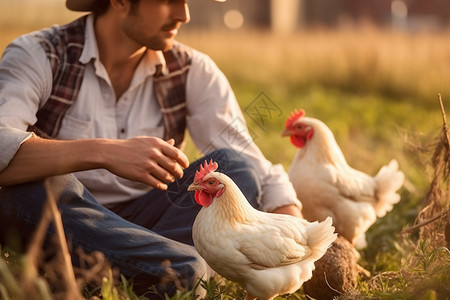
(21,207)
(40,190)
(228,158)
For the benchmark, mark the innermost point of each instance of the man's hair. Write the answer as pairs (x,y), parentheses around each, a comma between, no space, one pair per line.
(99,7)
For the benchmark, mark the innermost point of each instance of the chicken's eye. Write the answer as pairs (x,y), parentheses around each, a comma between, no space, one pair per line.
(211,182)
(299,126)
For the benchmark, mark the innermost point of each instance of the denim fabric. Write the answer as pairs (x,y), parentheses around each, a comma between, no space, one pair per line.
(140,236)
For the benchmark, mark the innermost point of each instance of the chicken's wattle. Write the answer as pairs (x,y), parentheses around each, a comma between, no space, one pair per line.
(298,141)
(202,198)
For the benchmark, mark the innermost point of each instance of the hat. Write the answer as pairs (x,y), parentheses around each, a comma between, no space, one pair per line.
(79,5)
(86,5)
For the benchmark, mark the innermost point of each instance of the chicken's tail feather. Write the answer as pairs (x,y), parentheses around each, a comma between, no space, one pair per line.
(389,180)
(320,237)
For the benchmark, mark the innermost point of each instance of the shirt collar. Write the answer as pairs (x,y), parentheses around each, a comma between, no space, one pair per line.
(90,52)
(90,49)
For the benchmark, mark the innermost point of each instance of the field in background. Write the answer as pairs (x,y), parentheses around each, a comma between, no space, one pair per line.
(376,89)
(363,60)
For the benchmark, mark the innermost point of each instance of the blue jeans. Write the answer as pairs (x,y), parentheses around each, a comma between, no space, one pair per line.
(140,236)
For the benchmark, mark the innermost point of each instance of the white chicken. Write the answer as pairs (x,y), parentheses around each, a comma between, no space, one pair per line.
(327,186)
(268,254)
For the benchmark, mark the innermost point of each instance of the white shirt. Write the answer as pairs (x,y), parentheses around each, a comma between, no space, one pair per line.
(214,117)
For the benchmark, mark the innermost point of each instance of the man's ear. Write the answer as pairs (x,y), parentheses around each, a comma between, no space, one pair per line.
(121,5)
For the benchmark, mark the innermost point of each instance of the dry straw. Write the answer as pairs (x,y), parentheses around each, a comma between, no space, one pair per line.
(433,219)
(51,213)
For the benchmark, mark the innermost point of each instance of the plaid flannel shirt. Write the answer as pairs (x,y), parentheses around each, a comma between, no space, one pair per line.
(64,45)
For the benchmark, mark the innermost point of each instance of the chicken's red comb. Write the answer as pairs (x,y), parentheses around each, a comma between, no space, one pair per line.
(207,168)
(296,114)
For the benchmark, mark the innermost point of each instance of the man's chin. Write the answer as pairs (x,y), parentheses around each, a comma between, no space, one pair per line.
(164,45)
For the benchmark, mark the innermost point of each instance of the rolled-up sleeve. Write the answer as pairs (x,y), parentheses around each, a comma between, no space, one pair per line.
(11,140)
(25,83)
(216,121)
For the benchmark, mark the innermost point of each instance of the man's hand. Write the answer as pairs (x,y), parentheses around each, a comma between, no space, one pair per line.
(149,160)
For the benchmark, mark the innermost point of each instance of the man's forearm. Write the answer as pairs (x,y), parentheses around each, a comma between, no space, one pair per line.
(39,158)
(149,160)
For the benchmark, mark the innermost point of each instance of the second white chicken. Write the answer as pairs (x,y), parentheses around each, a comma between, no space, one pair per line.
(327,186)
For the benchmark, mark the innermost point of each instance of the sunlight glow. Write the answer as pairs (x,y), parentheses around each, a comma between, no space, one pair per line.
(399,9)
(233,19)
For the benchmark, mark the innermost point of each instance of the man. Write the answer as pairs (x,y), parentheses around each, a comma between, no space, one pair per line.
(108,98)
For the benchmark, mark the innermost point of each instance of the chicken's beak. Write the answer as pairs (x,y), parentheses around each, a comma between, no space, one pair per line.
(194,187)
(286,132)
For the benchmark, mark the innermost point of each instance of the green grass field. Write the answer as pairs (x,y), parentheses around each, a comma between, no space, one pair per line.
(378,92)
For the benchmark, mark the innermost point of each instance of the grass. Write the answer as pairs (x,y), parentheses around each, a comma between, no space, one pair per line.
(376,89)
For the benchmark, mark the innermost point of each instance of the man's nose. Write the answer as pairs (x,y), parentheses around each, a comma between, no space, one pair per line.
(181,12)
